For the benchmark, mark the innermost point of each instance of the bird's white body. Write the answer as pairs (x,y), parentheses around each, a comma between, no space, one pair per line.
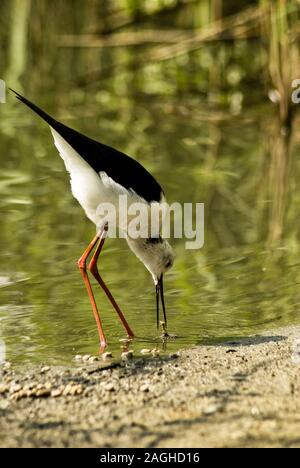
(91,189)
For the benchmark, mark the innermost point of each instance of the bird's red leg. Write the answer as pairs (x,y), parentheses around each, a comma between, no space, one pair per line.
(82,266)
(94,270)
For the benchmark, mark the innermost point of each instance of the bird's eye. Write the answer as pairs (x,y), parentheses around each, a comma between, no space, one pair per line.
(168,264)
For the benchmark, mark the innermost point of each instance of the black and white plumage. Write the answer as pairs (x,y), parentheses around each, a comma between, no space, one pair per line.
(100,174)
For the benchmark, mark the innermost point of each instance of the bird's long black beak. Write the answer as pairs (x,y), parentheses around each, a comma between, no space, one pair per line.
(157,304)
(159,289)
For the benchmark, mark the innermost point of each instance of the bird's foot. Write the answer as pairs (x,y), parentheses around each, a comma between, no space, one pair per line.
(103,345)
(165,333)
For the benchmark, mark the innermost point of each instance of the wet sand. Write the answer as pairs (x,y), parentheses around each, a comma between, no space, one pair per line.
(240,394)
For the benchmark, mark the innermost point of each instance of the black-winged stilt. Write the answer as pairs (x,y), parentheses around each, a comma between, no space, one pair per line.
(100,174)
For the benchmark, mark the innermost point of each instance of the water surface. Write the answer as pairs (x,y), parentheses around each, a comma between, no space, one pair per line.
(238,284)
(200,122)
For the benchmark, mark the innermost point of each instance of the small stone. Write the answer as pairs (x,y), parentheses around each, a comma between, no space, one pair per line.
(78,357)
(17,396)
(76,390)
(174,355)
(43,393)
(145,351)
(79,389)
(127,355)
(92,359)
(72,389)
(29,386)
(56,392)
(144,388)
(15,388)
(67,390)
(86,357)
(211,409)
(110,387)
(3,389)
(106,355)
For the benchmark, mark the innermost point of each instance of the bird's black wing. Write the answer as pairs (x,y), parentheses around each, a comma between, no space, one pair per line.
(121,168)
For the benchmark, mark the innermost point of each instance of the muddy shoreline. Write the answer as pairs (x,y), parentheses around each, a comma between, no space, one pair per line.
(239,394)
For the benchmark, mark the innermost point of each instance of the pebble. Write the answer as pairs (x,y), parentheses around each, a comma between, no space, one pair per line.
(6,365)
(93,359)
(18,395)
(15,388)
(144,388)
(255,411)
(106,355)
(3,389)
(45,369)
(43,392)
(86,357)
(72,390)
(110,387)
(145,351)
(56,392)
(155,352)
(211,409)
(127,355)
(174,355)
(29,386)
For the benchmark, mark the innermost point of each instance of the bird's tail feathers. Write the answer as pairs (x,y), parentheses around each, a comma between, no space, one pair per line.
(35,108)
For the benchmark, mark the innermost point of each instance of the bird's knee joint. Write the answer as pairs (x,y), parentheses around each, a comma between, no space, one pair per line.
(81,264)
(93,268)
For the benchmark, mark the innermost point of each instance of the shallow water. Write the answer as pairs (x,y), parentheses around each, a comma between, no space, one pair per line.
(201,124)
(242,282)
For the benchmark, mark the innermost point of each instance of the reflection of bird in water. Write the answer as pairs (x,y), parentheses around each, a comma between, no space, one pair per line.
(100,174)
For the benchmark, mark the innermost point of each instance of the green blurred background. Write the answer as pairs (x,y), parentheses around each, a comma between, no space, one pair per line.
(199,91)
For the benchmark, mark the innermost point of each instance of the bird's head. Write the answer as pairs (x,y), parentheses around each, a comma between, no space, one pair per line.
(155,253)
(158,257)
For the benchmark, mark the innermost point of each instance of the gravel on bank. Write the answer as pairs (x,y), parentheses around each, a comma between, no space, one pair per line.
(240,394)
